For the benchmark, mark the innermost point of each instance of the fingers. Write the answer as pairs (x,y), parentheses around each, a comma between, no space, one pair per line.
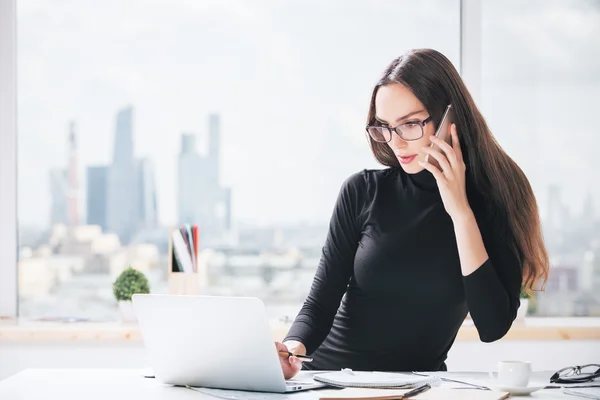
(291,369)
(295,362)
(437,174)
(447,149)
(281,347)
(446,168)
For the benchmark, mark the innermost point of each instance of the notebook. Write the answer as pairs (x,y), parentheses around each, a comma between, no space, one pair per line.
(362,394)
(362,379)
(435,393)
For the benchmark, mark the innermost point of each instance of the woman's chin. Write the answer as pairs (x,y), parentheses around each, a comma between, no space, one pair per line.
(412,167)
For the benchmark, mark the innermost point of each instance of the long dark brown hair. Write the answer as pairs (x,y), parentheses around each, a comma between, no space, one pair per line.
(491,173)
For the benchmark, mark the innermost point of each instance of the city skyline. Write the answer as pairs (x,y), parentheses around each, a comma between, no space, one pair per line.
(60,178)
(274,124)
(303,112)
(121,197)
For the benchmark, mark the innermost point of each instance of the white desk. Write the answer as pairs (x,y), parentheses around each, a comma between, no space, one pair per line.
(127,384)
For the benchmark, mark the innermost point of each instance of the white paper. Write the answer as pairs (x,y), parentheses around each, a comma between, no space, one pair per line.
(246,395)
(589,393)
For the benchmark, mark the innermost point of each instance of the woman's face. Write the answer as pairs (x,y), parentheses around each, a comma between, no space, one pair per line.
(395,104)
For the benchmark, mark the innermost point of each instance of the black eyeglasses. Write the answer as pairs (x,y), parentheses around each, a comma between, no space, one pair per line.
(408,131)
(577,374)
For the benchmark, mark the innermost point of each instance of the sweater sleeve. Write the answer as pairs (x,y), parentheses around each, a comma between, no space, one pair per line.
(336,266)
(492,291)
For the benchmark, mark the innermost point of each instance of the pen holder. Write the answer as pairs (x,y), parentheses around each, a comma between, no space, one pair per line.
(184,283)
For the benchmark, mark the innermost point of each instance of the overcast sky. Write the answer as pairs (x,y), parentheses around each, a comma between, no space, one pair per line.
(290,79)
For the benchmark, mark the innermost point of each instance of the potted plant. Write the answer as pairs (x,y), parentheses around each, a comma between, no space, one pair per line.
(522,311)
(129,282)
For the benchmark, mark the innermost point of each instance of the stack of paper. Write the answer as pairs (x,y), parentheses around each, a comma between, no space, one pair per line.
(361,379)
(185,248)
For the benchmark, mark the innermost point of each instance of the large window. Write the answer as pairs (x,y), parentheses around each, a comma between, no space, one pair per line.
(541,80)
(244,117)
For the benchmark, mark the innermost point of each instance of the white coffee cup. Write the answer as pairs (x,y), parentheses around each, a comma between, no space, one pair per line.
(512,373)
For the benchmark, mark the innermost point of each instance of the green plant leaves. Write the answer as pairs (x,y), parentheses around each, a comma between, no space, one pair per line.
(130,281)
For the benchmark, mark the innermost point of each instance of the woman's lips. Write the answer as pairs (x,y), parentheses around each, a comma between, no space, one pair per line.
(406,159)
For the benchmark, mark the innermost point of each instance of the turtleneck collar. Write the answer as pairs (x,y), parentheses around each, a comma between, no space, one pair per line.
(424,180)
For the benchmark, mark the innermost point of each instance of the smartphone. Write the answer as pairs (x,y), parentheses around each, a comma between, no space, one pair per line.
(443,132)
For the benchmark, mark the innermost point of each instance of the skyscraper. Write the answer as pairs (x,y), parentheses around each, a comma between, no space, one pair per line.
(123,144)
(97,183)
(64,187)
(200,197)
(190,181)
(122,190)
(122,196)
(214,149)
(227,204)
(188,143)
(58,194)
(147,207)
(73,179)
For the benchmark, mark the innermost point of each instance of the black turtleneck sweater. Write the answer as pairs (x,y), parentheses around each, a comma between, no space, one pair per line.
(389,294)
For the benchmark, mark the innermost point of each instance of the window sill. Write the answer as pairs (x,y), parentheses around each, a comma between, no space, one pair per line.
(532,329)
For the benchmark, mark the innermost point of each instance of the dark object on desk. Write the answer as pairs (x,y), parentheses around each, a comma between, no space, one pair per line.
(416,391)
(576,374)
(299,356)
(572,386)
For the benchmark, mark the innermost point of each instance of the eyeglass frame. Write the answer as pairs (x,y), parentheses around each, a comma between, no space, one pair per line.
(395,129)
(575,371)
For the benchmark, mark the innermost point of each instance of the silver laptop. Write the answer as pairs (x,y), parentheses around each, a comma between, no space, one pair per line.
(212,341)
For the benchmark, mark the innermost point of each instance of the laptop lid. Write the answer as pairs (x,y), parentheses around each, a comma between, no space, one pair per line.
(209,341)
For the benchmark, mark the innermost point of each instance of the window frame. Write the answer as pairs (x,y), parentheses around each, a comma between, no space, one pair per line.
(8,160)
(470,69)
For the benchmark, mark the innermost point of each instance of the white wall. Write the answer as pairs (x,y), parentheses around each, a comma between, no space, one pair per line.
(465,355)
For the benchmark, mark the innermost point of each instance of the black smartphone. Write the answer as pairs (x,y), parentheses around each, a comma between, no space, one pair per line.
(442,132)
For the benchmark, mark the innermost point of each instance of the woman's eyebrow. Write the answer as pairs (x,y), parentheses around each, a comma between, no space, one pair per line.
(401,118)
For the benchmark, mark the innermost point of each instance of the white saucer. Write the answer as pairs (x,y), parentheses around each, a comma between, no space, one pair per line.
(516,391)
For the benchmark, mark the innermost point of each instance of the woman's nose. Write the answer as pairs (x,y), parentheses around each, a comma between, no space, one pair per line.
(397,142)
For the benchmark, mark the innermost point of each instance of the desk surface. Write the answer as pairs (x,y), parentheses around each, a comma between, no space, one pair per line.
(530,329)
(121,384)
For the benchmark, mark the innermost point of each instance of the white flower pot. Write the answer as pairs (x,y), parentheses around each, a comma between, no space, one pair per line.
(522,311)
(127,312)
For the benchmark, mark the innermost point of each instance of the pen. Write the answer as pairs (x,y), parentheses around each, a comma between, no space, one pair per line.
(301,357)
(416,391)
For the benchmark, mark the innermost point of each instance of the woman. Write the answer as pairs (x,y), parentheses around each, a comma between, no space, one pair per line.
(412,248)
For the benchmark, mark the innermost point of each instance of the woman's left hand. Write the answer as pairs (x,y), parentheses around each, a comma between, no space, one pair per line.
(451,179)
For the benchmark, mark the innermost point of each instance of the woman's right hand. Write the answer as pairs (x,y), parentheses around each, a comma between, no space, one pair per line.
(290,365)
